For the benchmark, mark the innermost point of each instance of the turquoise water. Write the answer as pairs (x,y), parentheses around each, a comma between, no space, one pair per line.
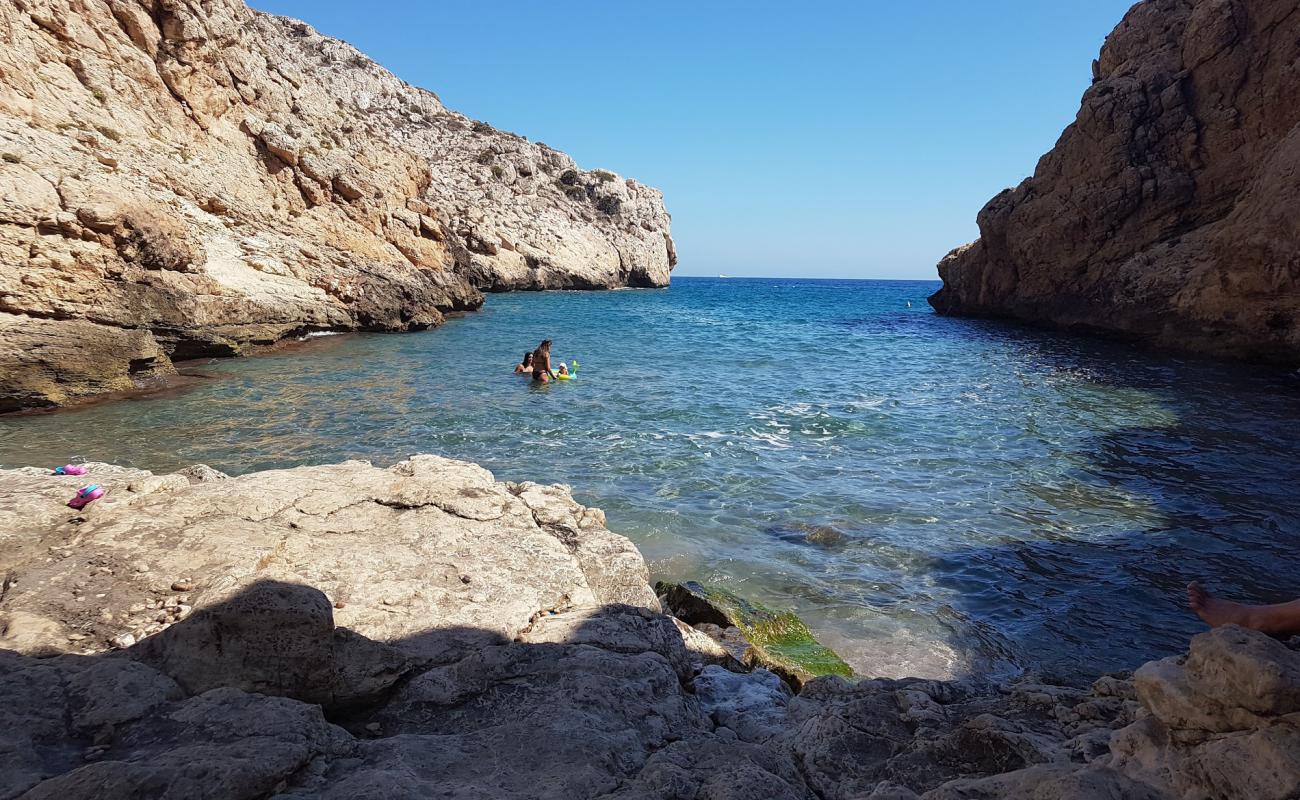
(936,496)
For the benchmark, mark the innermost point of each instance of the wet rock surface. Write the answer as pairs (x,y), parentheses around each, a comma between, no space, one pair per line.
(753,634)
(1167,210)
(424,630)
(182,180)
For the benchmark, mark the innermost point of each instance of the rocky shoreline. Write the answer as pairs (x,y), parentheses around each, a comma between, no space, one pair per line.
(190,180)
(425,630)
(1164,214)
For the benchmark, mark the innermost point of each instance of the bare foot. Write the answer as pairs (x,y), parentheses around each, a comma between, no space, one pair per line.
(1216,612)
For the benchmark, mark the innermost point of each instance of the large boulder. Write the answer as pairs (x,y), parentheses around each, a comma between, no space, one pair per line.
(432,554)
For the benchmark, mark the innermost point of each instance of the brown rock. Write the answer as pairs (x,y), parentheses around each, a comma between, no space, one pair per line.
(47,362)
(1167,210)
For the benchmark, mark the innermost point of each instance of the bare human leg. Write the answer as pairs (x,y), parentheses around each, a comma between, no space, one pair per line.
(1281,619)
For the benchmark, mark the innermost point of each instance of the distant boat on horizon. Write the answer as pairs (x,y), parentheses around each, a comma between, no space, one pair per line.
(724,276)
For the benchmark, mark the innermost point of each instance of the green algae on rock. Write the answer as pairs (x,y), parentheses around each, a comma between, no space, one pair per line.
(778,640)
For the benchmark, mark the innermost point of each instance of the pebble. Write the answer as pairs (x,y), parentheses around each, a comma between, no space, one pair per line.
(123,640)
(76,637)
(95,753)
(373,727)
(183,585)
(141,568)
(478,597)
(183,611)
(339,604)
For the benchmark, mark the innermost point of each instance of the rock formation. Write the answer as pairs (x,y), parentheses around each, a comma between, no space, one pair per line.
(752,634)
(424,630)
(182,179)
(1169,211)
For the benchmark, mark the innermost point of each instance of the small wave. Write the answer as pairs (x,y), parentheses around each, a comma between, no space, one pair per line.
(775,440)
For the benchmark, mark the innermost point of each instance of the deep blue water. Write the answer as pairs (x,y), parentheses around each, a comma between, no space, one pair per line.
(936,496)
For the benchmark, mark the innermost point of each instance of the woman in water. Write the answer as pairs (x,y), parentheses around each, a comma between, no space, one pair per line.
(542,372)
(526,366)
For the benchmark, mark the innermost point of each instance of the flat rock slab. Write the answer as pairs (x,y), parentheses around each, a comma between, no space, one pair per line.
(431,552)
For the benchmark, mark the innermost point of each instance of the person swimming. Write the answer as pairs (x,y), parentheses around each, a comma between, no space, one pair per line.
(525,367)
(542,372)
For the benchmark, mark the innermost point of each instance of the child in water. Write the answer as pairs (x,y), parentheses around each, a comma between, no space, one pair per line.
(563,370)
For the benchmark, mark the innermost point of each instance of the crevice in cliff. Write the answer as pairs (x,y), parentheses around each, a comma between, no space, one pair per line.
(806,776)
(55,315)
(566,535)
(443,506)
(160,15)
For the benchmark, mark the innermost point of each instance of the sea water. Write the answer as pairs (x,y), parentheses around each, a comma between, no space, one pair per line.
(936,497)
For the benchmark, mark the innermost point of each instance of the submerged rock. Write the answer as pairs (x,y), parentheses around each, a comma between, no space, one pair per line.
(778,641)
(1167,209)
(820,535)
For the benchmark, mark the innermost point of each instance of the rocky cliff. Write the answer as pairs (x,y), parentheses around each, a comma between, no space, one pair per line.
(183,178)
(1169,210)
(425,631)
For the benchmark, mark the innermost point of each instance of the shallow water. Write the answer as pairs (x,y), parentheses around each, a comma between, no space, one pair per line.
(935,496)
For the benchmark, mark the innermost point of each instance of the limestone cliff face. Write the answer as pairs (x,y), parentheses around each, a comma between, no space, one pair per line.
(1170,209)
(185,178)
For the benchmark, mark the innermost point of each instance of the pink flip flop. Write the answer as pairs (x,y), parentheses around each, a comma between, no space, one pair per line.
(87,495)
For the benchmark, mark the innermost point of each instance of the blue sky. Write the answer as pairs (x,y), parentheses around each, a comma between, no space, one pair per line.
(823,139)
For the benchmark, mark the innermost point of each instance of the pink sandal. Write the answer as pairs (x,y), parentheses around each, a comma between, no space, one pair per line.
(87,495)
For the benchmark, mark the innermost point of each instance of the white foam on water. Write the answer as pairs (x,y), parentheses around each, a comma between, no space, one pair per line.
(775,440)
(897,654)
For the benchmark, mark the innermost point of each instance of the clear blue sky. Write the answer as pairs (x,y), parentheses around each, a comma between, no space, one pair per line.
(823,139)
